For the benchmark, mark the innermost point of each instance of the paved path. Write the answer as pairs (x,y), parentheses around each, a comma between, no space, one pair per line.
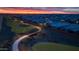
(15,46)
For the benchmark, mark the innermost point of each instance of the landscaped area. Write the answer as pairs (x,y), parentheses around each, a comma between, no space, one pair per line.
(53,37)
(17,26)
(45,46)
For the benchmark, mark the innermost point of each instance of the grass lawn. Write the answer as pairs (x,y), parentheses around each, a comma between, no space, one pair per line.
(17,26)
(53,47)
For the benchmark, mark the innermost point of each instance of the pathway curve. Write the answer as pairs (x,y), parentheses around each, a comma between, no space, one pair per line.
(15,45)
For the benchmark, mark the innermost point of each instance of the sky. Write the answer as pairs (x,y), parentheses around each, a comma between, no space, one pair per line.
(39,10)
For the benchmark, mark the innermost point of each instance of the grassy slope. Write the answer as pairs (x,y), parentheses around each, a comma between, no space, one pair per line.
(16,26)
(53,47)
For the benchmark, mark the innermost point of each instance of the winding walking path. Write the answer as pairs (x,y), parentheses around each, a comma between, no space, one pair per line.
(15,46)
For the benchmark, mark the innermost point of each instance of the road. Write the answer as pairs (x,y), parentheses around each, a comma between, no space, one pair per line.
(15,45)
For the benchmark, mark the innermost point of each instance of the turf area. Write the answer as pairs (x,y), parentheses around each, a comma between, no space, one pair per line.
(17,26)
(45,46)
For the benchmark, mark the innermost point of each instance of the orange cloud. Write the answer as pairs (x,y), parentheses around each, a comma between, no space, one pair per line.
(28,11)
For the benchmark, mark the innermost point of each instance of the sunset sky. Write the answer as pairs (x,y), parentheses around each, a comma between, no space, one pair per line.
(39,10)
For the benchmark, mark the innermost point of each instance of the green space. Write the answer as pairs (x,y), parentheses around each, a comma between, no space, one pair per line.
(45,46)
(17,26)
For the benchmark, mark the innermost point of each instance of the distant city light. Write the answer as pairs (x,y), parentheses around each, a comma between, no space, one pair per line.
(62,20)
(77,22)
